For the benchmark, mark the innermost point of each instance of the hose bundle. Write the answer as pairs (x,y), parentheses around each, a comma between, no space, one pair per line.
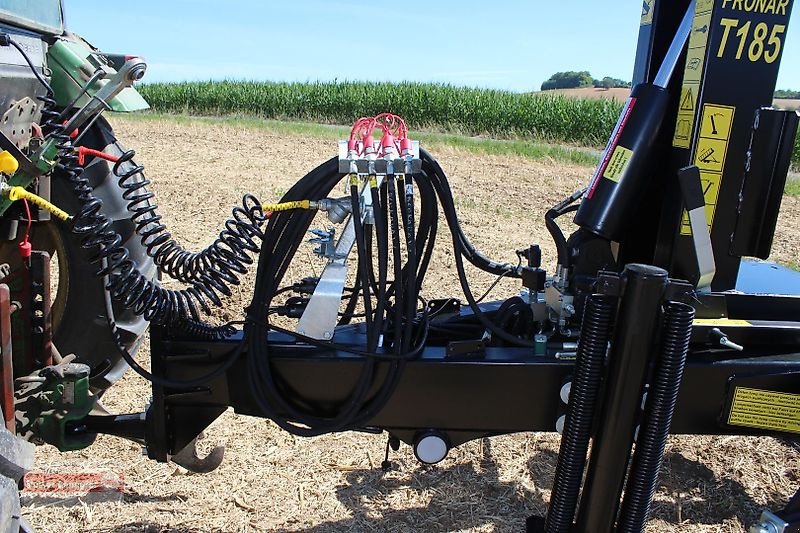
(390,306)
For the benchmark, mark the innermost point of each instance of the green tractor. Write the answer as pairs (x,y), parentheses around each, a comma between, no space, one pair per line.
(53,79)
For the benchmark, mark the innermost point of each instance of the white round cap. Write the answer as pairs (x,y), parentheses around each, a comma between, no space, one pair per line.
(430,449)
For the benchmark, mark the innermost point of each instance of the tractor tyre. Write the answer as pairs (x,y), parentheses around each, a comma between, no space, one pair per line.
(80,325)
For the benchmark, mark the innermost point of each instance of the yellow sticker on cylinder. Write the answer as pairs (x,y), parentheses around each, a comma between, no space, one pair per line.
(618,163)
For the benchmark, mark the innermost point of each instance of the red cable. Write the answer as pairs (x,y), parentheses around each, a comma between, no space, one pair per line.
(83,151)
(25,246)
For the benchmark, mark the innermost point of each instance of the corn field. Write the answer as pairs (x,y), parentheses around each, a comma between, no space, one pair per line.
(467,111)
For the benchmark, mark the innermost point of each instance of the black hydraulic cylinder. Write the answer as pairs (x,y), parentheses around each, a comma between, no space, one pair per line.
(621,180)
(631,354)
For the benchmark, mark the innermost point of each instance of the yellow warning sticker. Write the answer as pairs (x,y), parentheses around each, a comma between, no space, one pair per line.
(730,322)
(703,6)
(710,154)
(618,163)
(701,25)
(693,74)
(765,409)
(710,183)
(683,130)
(647,12)
(717,121)
(688,97)
(695,60)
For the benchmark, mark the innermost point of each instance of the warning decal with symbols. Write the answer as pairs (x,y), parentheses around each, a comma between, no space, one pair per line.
(647,12)
(693,74)
(765,409)
(716,122)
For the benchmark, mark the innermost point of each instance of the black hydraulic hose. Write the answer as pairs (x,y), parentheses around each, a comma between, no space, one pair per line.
(439,181)
(411,267)
(397,263)
(363,262)
(657,418)
(598,318)
(428,221)
(383,263)
(352,302)
(435,173)
(556,233)
(285,232)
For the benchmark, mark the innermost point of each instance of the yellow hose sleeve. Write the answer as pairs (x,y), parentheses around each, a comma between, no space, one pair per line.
(19,193)
(286,206)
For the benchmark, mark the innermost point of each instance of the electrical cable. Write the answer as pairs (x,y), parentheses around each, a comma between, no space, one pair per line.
(439,180)
(5,40)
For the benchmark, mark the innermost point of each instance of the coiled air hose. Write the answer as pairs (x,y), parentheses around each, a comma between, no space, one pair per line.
(598,319)
(213,268)
(657,418)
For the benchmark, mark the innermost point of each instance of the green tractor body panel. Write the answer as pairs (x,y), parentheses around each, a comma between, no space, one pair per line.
(72,63)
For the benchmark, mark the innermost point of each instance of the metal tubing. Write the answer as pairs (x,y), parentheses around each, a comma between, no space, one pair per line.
(631,353)
(674,52)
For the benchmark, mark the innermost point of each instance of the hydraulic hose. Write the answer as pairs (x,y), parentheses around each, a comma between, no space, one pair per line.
(397,262)
(411,269)
(659,408)
(284,234)
(361,245)
(598,318)
(434,171)
(383,262)
(556,233)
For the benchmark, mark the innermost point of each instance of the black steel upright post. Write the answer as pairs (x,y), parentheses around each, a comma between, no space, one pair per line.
(631,353)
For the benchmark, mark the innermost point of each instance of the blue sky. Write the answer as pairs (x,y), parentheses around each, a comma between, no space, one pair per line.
(508,45)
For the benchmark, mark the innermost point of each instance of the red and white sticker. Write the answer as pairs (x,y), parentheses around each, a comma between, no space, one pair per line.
(612,144)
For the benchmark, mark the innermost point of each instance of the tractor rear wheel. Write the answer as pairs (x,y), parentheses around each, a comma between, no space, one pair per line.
(80,325)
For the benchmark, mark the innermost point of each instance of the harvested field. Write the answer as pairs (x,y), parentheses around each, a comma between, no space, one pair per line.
(272,481)
(621,94)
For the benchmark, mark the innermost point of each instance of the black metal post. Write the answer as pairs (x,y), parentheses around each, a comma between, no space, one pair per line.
(631,353)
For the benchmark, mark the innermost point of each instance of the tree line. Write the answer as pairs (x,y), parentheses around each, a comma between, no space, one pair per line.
(581,79)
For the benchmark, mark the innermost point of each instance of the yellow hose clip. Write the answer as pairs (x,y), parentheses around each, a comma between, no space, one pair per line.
(19,193)
(286,206)
(8,163)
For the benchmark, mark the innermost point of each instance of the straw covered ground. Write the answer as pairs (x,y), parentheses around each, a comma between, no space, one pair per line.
(272,481)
